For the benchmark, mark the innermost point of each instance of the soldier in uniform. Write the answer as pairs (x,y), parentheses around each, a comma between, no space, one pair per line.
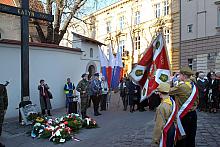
(165,110)
(182,92)
(3,106)
(83,88)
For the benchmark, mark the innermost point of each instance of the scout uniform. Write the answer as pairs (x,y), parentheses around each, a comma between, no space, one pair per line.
(164,129)
(83,88)
(182,92)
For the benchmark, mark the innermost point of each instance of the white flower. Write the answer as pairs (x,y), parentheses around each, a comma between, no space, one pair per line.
(58,133)
(37,125)
(62,140)
(62,125)
(88,120)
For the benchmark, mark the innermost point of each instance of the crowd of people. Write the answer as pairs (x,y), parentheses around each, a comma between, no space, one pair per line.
(189,93)
(166,99)
(90,90)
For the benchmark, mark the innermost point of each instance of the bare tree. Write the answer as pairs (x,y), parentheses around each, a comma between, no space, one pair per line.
(64,11)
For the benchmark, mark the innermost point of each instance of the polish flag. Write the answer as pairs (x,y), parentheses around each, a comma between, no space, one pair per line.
(110,68)
(117,72)
(104,63)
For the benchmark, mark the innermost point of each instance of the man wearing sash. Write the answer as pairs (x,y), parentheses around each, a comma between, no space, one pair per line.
(186,97)
(164,129)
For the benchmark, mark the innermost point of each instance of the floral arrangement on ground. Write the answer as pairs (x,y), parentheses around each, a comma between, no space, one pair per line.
(59,130)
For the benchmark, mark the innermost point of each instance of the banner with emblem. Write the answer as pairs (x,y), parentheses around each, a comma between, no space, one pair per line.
(153,68)
(159,69)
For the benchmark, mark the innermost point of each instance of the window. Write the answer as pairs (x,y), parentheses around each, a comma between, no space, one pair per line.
(189,28)
(137,17)
(157,10)
(121,22)
(91,52)
(218,19)
(122,46)
(108,26)
(166,8)
(190,63)
(137,43)
(167,36)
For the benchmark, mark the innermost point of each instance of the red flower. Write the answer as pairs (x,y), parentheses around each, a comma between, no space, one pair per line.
(66,122)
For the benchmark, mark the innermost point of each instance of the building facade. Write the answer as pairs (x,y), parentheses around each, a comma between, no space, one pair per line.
(10,25)
(200,40)
(130,25)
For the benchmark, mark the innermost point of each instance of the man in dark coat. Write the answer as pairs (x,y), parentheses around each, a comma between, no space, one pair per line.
(3,106)
(96,92)
(124,92)
(83,88)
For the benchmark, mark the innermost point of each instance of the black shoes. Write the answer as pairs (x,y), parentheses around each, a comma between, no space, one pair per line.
(97,114)
(2,145)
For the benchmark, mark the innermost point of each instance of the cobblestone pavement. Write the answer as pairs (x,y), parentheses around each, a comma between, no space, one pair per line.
(117,129)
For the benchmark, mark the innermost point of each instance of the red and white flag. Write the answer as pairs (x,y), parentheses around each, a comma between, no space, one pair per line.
(153,68)
(111,64)
(138,73)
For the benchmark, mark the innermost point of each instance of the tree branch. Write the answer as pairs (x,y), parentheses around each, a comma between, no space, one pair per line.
(39,31)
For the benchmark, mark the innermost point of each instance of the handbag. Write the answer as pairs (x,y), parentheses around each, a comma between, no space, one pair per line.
(50,94)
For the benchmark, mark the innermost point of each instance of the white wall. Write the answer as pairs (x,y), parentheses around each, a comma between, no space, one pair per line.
(53,65)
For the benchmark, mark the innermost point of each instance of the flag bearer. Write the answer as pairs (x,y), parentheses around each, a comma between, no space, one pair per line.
(186,97)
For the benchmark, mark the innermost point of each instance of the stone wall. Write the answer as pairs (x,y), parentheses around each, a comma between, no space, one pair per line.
(205,53)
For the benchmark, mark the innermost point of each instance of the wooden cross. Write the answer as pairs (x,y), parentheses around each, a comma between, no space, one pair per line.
(25,14)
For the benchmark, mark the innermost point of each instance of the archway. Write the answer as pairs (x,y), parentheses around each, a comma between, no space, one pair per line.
(91,70)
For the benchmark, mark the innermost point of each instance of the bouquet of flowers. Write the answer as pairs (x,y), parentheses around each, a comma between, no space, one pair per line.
(58,130)
(89,123)
(73,121)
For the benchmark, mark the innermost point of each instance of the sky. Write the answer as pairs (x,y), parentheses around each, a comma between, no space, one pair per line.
(94,5)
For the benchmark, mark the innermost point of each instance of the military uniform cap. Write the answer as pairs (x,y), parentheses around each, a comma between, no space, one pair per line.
(163,87)
(83,75)
(217,75)
(96,74)
(186,71)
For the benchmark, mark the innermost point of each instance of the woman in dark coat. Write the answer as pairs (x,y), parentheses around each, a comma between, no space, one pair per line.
(202,85)
(124,92)
(213,93)
(44,98)
(134,95)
